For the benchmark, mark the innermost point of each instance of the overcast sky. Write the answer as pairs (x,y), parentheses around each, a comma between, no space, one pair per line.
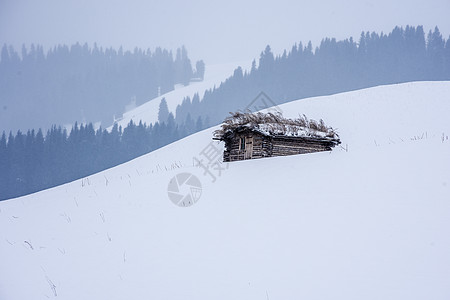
(224,31)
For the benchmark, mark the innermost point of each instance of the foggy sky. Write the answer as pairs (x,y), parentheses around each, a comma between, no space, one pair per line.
(223,31)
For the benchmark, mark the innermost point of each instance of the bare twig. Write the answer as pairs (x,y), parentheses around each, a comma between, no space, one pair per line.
(65,216)
(102,215)
(52,286)
(29,244)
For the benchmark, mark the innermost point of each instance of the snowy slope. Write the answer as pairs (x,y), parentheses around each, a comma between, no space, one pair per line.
(214,76)
(372,222)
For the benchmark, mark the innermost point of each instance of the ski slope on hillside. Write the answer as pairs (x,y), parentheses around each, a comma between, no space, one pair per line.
(214,76)
(370,221)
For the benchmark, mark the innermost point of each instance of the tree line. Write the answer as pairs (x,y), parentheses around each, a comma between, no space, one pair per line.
(403,55)
(33,161)
(83,83)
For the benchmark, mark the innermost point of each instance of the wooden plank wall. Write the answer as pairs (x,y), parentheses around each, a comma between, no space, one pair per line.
(261,147)
(264,146)
(285,146)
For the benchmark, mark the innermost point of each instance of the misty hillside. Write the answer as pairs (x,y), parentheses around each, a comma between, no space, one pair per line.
(368,220)
(78,83)
(335,66)
(214,75)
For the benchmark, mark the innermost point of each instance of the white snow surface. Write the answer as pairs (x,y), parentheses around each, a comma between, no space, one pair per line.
(214,75)
(368,222)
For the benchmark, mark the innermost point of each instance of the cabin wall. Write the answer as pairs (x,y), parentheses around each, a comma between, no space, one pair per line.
(261,147)
(266,146)
(290,146)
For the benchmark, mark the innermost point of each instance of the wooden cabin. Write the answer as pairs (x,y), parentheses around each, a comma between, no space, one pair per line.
(251,136)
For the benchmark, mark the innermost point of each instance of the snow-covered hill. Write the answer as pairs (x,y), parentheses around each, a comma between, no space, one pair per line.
(371,221)
(214,76)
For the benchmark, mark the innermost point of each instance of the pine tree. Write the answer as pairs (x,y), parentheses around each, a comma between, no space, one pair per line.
(435,50)
(163,112)
(4,168)
(200,69)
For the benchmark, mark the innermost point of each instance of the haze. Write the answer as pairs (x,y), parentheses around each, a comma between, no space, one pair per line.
(213,31)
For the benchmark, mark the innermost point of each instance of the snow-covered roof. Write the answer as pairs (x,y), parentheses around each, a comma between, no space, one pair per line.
(274,125)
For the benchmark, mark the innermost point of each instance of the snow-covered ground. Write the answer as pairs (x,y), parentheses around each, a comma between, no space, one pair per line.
(214,75)
(368,222)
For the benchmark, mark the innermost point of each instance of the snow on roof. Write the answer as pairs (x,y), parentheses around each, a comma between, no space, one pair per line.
(274,124)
